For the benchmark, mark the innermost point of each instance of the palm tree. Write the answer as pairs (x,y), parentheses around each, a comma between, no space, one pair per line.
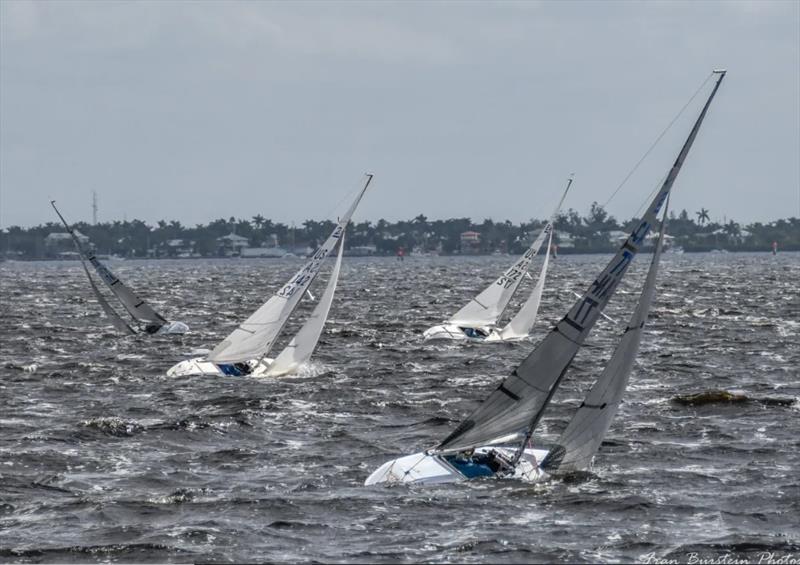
(258,221)
(702,216)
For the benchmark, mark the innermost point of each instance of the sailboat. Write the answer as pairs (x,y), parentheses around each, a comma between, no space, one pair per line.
(245,350)
(145,319)
(477,321)
(495,440)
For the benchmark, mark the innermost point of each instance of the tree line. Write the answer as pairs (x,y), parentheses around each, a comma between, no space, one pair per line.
(574,233)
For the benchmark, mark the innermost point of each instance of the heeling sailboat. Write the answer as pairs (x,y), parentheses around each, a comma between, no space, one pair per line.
(477,320)
(494,439)
(245,350)
(146,319)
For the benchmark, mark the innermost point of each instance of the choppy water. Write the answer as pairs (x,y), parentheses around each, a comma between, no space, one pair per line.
(103,458)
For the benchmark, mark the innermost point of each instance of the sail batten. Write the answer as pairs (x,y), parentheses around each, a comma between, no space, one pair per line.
(519,401)
(254,337)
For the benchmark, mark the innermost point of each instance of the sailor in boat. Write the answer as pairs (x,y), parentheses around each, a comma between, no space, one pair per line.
(482,464)
(475,333)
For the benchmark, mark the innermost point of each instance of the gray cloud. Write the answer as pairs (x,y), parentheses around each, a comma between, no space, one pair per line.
(200,110)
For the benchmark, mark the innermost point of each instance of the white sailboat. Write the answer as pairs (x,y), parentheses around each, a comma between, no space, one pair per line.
(245,350)
(477,321)
(145,318)
(495,439)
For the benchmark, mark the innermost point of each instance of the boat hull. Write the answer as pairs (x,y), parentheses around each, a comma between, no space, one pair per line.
(483,334)
(454,332)
(429,469)
(200,367)
(173,328)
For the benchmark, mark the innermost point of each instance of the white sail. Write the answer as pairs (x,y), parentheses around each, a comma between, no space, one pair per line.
(585,432)
(522,324)
(305,341)
(486,308)
(254,337)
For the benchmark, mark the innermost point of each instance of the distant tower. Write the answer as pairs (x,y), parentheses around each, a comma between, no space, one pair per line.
(94,207)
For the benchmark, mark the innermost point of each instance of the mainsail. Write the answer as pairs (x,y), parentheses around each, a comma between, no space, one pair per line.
(516,406)
(584,434)
(486,308)
(522,324)
(136,307)
(254,337)
(305,341)
(120,324)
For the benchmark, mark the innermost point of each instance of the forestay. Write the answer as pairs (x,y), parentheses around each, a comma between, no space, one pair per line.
(522,324)
(516,406)
(585,432)
(305,341)
(255,336)
(486,308)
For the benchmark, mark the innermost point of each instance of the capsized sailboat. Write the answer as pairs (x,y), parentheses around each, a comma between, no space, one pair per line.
(144,317)
(245,351)
(477,321)
(495,439)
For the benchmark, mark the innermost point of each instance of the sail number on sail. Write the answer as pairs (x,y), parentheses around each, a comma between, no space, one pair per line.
(610,278)
(511,276)
(312,267)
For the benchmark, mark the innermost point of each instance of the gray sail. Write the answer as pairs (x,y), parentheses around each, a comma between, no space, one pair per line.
(516,406)
(116,320)
(585,432)
(136,307)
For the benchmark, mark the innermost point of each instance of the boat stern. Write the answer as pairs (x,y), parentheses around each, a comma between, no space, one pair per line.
(196,366)
(419,468)
(173,328)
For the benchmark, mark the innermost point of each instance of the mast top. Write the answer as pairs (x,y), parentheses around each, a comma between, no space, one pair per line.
(719,71)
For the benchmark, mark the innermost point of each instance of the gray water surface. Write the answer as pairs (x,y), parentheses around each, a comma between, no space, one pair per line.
(104,458)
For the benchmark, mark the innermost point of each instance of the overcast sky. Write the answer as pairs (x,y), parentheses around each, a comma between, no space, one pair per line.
(200,110)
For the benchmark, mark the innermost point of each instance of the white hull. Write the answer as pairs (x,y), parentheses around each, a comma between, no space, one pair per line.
(454,332)
(198,367)
(173,328)
(425,469)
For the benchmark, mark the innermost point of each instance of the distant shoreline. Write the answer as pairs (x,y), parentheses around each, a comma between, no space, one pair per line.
(390,257)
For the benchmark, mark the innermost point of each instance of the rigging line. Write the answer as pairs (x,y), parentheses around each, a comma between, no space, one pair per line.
(630,174)
(344,198)
(644,203)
